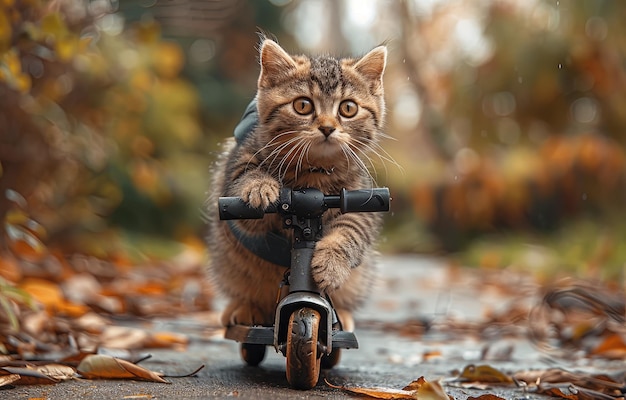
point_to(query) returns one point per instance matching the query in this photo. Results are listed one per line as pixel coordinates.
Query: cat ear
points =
(372, 65)
(275, 63)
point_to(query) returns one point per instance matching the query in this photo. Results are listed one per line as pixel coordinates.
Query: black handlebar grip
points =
(364, 200)
(235, 208)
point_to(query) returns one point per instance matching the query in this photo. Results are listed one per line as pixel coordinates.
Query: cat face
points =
(319, 112)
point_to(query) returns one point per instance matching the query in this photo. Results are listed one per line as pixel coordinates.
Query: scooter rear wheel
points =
(303, 358)
(252, 354)
(332, 359)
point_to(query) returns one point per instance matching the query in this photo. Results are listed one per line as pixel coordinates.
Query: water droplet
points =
(584, 196)
(560, 65)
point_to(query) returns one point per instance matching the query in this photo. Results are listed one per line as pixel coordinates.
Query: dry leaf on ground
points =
(484, 374)
(107, 367)
(8, 379)
(30, 376)
(419, 389)
(583, 381)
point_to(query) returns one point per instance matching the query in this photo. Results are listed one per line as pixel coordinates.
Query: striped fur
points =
(289, 149)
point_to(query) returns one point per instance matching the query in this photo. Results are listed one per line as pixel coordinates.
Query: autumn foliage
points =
(529, 189)
(92, 117)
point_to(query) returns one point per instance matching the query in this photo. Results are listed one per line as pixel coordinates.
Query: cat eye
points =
(303, 106)
(348, 108)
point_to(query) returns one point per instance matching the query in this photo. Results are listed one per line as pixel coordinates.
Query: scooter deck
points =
(265, 335)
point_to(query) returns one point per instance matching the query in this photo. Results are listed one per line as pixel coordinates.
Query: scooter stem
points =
(300, 278)
(306, 232)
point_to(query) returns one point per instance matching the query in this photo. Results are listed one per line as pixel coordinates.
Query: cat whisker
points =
(268, 145)
(380, 152)
(372, 147)
(383, 135)
(288, 158)
(304, 153)
(351, 155)
(275, 153)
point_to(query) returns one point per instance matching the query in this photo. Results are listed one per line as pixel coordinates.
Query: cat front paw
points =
(330, 266)
(261, 192)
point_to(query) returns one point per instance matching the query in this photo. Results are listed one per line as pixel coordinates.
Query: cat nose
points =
(327, 130)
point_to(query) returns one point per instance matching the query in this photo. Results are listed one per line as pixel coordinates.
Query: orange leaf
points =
(612, 346)
(9, 269)
(107, 367)
(486, 397)
(484, 373)
(416, 384)
(166, 339)
(24, 243)
(556, 392)
(45, 292)
(72, 309)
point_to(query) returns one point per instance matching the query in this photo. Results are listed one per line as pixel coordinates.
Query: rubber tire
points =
(303, 360)
(252, 354)
(329, 361)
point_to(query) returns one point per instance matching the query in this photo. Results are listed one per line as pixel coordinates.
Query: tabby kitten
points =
(318, 118)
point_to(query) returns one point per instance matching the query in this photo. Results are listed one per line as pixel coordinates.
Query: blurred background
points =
(508, 121)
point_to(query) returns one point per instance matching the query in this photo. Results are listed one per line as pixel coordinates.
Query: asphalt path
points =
(413, 288)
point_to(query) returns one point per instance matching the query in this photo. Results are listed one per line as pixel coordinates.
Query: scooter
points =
(307, 330)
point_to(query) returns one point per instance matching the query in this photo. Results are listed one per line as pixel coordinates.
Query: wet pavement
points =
(412, 289)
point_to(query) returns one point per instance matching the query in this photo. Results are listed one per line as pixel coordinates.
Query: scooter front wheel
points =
(303, 358)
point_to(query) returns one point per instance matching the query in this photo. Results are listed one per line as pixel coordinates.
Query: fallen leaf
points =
(589, 394)
(166, 339)
(47, 293)
(122, 337)
(602, 383)
(416, 384)
(484, 373)
(57, 371)
(612, 346)
(8, 379)
(9, 268)
(30, 376)
(419, 389)
(106, 367)
(431, 391)
(432, 354)
(379, 393)
(486, 397)
(556, 392)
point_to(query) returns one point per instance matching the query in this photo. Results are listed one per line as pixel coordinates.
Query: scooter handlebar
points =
(364, 200)
(309, 202)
